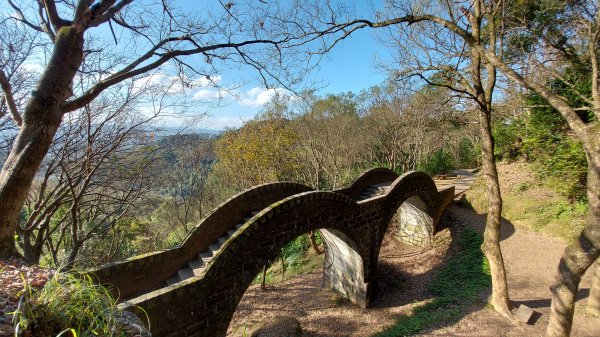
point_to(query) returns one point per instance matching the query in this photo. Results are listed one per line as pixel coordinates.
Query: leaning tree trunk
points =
(41, 118)
(29, 149)
(491, 234)
(576, 259)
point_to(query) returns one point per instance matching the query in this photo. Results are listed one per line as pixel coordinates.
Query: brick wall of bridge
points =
(353, 231)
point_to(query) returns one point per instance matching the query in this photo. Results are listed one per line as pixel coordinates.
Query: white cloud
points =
(257, 97)
(206, 81)
(208, 94)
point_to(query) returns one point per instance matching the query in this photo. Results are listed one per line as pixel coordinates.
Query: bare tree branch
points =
(10, 101)
(130, 71)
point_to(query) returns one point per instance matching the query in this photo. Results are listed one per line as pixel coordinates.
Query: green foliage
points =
(564, 166)
(558, 158)
(469, 154)
(68, 305)
(297, 258)
(456, 286)
(543, 138)
(507, 139)
(440, 162)
(294, 251)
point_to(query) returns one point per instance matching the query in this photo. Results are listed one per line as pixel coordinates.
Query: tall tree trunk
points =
(41, 118)
(594, 298)
(577, 258)
(29, 149)
(491, 234)
(70, 263)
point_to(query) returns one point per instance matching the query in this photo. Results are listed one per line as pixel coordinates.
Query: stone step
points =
(173, 280)
(185, 273)
(238, 226)
(214, 247)
(222, 240)
(198, 271)
(364, 196)
(205, 256)
(231, 232)
(196, 264)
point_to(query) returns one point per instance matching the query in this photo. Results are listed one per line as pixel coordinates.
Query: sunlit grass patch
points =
(456, 286)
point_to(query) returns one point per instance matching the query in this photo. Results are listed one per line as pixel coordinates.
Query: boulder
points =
(278, 326)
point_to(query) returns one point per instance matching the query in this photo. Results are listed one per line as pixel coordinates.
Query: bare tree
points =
(331, 142)
(94, 172)
(17, 78)
(186, 194)
(575, 38)
(442, 58)
(407, 127)
(257, 34)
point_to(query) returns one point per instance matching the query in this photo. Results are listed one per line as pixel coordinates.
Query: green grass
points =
(66, 306)
(531, 204)
(298, 257)
(457, 285)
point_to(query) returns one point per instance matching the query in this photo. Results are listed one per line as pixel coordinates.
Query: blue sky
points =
(348, 67)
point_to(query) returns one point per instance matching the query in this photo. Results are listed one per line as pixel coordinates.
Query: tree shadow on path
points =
(455, 283)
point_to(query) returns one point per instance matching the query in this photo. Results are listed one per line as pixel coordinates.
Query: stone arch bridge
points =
(194, 289)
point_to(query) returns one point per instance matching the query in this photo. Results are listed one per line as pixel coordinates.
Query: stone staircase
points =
(374, 190)
(196, 266)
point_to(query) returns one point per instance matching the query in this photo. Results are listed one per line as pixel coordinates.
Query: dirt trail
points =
(531, 259)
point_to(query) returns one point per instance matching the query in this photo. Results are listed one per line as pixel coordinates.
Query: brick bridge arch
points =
(353, 222)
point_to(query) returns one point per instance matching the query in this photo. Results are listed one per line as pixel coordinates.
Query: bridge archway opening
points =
(412, 224)
(341, 272)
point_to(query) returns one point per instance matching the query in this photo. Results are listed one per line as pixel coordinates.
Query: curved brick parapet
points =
(353, 229)
(146, 272)
(368, 178)
(204, 305)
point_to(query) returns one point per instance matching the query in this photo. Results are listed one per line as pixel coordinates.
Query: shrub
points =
(439, 162)
(508, 139)
(469, 154)
(67, 305)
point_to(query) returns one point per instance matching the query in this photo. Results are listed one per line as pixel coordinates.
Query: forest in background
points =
(82, 163)
(149, 187)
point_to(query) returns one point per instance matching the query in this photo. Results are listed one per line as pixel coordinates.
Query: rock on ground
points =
(278, 326)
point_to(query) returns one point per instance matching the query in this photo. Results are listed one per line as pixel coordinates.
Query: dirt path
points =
(531, 259)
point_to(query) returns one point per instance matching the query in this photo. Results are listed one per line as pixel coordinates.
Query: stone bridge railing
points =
(352, 229)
